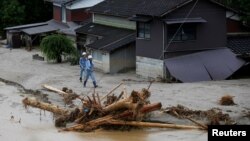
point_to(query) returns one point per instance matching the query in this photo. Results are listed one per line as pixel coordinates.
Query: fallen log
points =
(150, 124)
(129, 103)
(145, 109)
(67, 97)
(60, 92)
(45, 106)
(91, 125)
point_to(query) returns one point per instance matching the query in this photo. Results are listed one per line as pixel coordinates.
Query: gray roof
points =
(25, 26)
(127, 8)
(39, 29)
(204, 66)
(51, 26)
(112, 38)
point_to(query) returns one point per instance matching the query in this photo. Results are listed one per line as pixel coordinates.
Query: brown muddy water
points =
(20, 124)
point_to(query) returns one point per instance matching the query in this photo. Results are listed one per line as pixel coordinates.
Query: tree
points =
(240, 5)
(37, 10)
(54, 46)
(18, 12)
(11, 13)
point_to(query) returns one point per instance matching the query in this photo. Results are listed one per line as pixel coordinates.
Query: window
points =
(186, 32)
(143, 30)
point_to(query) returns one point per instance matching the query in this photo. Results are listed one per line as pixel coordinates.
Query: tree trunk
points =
(45, 106)
(150, 124)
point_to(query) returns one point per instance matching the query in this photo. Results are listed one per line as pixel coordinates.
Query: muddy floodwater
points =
(21, 124)
(22, 72)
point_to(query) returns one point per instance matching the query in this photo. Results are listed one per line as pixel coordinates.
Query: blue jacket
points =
(82, 62)
(89, 65)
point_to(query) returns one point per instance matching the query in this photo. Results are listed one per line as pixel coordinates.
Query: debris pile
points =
(109, 111)
(227, 100)
(213, 116)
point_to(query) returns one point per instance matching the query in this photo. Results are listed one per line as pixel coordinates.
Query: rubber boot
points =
(84, 83)
(95, 84)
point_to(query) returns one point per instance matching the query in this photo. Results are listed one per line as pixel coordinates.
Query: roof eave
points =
(107, 14)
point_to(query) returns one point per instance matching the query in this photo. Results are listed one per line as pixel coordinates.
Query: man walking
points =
(89, 71)
(82, 63)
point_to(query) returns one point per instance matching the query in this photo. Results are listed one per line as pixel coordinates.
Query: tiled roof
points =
(112, 38)
(127, 8)
(239, 44)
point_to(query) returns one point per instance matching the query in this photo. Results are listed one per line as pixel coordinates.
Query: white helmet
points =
(84, 53)
(90, 57)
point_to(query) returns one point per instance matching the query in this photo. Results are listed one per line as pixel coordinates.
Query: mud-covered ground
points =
(18, 123)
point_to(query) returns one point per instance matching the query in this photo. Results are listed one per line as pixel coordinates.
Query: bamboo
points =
(111, 91)
(198, 123)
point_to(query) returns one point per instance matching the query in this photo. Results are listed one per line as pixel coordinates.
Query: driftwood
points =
(60, 92)
(95, 113)
(68, 96)
(134, 102)
(149, 124)
(45, 106)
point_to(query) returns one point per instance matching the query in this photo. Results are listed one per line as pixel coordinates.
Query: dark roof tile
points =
(127, 8)
(112, 37)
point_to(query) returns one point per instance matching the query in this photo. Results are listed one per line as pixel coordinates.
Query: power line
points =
(185, 19)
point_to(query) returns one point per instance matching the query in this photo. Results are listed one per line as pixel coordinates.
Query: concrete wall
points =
(123, 59)
(114, 21)
(149, 68)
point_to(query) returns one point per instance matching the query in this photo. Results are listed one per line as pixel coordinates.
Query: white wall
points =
(114, 21)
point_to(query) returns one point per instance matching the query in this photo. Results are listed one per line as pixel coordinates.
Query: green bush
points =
(54, 46)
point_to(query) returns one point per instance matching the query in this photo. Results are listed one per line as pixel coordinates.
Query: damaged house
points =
(181, 39)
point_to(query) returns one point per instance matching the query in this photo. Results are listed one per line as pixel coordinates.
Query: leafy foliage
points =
(18, 12)
(37, 10)
(240, 5)
(54, 46)
(11, 13)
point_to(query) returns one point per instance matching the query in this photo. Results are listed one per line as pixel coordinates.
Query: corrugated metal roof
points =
(25, 26)
(39, 30)
(83, 4)
(204, 66)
